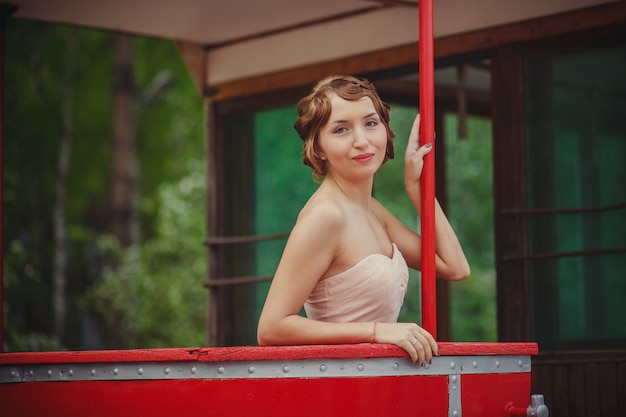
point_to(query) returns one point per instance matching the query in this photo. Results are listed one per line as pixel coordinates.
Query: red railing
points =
(427, 135)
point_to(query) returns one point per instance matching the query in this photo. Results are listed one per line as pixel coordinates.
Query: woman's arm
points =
(451, 263)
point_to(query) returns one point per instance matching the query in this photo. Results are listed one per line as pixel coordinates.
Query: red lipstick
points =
(364, 157)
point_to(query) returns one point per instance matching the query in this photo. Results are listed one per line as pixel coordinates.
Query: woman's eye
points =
(340, 130)
(371, 123)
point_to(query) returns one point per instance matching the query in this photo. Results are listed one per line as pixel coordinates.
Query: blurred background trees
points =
(104, 196)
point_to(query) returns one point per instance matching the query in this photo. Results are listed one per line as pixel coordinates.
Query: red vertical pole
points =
(5, 11)
(427, 134)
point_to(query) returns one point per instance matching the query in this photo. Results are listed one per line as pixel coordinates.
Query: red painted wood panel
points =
(486, 395)
(364, 350)
(328, 397)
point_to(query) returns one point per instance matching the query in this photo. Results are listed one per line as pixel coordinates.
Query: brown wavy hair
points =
(314, 111)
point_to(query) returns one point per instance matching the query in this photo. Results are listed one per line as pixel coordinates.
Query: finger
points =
(415, 134)
(434, 347)
(424, 350)
(421, 350)
(425, 149)
(410, 348)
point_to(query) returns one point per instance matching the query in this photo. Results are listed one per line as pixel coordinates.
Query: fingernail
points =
(429, 144)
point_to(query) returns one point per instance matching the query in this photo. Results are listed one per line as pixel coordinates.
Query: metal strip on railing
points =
(262, 369)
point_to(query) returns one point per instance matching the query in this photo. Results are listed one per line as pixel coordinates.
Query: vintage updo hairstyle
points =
(314, 112)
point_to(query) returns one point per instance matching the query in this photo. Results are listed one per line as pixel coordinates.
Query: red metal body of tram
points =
(468, 379)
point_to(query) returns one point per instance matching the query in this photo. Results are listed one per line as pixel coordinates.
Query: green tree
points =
(170, 142)
(470, 196)
(157, 290)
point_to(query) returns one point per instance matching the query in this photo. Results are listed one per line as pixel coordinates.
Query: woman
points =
(344, 257)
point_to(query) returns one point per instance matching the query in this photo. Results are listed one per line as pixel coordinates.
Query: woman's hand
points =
(420, 344)
(451, 263)
(414, 159)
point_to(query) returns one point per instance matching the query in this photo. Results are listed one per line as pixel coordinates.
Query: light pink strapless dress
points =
(371, 290)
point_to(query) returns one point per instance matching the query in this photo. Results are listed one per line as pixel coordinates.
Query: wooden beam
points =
(194, 56)
(308, 75)
(407, 55)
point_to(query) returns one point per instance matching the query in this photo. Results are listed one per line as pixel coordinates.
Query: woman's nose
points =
(360, 138)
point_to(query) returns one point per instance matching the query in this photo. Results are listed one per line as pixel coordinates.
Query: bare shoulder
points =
(314, 241)
(321, 215)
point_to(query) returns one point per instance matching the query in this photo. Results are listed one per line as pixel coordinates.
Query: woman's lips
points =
(364, 157)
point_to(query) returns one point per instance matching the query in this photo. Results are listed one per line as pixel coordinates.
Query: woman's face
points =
(354, 140)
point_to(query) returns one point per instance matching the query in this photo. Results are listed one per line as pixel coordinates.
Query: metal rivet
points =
(454, 378)
(396, 366)
(49, 372)
(455, 413)
(70, 372)
(497, 364)
(13, 374)
(220, 369)
(360, 367)
(193, 369)
(93, 372)
(285, 369)
(452, 365)
(140, 371)
(323, 368)
(116, 371)
(426, 365)
(31, 373)
(251, 369)
(167, 370)
(520, 363)
(475, 364)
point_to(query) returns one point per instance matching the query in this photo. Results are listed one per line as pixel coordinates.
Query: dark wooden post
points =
(6, 10)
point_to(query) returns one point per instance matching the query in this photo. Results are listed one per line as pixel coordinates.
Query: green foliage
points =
(19, 337)
(170, 142)
(470, 210)
(36, 72)
(157, 291)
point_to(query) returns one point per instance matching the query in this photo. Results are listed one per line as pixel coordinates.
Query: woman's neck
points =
(359, 193)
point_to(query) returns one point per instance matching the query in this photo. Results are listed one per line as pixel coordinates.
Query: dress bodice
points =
(371, 290)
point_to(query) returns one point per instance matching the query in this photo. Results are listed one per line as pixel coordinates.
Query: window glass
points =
(575, 145)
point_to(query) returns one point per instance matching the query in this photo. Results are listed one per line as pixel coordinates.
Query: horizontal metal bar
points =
(581, 210)
(269, 369)
(220, 282)
(217, 241)
(554, 255)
